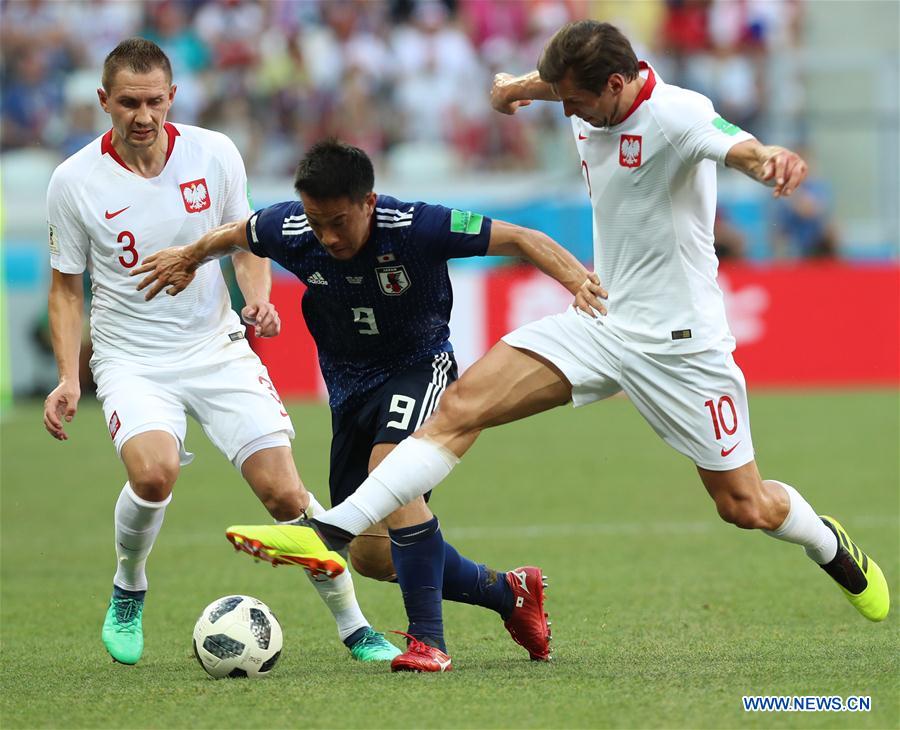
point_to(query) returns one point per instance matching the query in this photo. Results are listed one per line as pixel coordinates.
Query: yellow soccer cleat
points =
(296, 544)
(858, 575)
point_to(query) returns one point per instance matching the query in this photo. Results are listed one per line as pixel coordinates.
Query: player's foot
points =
(420, 657)
(858, 575)
(122, 632)
(373, 647)
(528, 624)
(295, 544)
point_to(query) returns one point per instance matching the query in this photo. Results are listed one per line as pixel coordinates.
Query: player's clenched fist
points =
(171, 267)
(505, 94)
(264, 318)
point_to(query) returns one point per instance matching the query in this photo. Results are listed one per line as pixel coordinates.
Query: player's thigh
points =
(137, 400)
(235, 402)
(541, 365)
(697, 403)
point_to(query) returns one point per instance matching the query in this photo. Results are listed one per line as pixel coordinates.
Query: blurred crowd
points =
(276, 74)
(407, 80)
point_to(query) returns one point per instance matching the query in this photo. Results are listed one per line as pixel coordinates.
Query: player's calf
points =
(370, 556)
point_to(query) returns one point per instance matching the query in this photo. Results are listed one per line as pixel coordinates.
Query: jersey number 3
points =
(129, 256)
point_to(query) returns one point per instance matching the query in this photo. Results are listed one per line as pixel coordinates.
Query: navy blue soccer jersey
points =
(386, 308)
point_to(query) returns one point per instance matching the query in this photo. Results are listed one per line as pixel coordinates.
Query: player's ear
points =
(615, 83)
(104, 98)
(172, 89)
(371, 199)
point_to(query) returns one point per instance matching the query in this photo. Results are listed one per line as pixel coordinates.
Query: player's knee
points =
(370, 556)
(154, 482)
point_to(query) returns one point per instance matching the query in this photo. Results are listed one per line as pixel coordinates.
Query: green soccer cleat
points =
(373, 647)
(858, 575)
(294, 544)
(122, 632)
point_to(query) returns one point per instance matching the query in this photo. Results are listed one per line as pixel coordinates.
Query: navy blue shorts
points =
(391, 413)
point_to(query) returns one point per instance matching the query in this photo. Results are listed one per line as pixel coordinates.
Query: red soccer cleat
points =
(419, 657)
(528, 624)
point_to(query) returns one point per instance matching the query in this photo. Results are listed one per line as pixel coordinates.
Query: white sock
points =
(314, 507)
(137, 524)
(338, 594)
(414, 467)
(804, 527)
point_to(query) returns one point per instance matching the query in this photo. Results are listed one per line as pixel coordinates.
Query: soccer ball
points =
(237, 636)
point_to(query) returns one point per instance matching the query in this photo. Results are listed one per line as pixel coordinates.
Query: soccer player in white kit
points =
(648, 153)
(143, 186)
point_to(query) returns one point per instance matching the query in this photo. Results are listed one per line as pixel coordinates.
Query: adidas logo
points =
(317, 278)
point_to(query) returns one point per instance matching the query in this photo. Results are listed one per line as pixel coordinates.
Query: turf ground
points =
(663, 616)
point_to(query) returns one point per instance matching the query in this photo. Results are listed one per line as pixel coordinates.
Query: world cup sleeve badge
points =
(195, 195)
(630, 150)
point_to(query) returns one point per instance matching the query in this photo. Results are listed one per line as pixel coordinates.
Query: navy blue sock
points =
(469, 582)
(418, 554)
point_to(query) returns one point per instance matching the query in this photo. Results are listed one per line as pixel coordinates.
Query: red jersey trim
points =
(106, 145)
(644, 93)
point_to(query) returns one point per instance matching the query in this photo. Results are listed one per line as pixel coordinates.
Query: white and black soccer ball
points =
(237, 636)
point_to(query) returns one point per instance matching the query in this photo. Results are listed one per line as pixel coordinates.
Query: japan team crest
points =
(195, 195)
(630, 150)
(392, 279)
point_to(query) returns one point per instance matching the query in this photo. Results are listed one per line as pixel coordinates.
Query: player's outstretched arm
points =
(551, 258)
(510, 92)
(66, 307)
(254, 277)
(175, 267)
(777, 167)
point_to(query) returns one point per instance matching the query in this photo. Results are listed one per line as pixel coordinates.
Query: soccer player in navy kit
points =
(378, 303)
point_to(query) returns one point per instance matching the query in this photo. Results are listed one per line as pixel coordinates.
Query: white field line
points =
(629, 528)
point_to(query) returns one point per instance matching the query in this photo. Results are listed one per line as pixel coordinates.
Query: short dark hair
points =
(138, 55)
(333, 169)
(592, 50)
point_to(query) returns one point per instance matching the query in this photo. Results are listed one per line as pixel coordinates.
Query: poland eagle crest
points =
(195, 195)
(630, 150)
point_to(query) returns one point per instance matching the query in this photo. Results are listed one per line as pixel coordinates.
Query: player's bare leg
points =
(273, 476)
(152, 462)
(744, 499)
(506, 385)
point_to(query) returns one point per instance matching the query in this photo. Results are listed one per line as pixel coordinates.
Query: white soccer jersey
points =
(652, 183)
(105, 218)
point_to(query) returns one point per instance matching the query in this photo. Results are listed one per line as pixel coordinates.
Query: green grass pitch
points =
(663, 616)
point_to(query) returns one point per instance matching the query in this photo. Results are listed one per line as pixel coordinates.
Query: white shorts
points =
(696, 402)
(229, 393)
